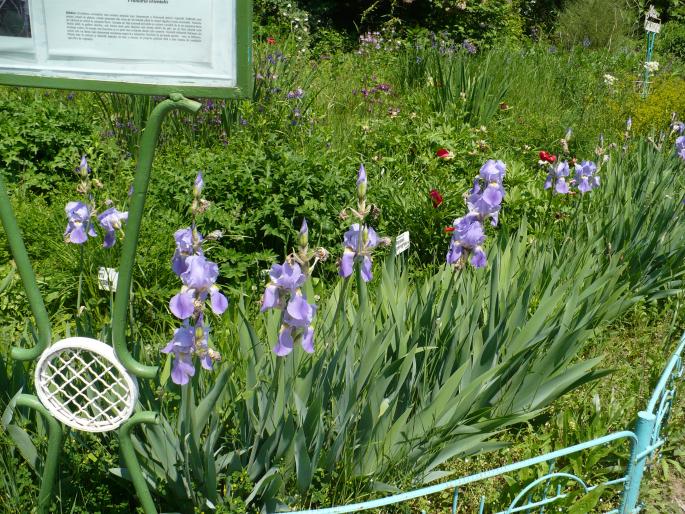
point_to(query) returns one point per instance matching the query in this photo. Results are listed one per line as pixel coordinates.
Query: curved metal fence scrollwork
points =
(645, 440)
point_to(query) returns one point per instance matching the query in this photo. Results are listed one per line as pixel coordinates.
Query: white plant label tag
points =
(652, 26)
(107, 279)
(402, 243)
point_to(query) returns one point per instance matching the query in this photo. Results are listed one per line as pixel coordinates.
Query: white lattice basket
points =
(82, 383)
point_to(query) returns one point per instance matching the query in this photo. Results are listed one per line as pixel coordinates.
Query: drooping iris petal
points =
(77, 235)
(109, 240)
(298, 312)
(308, 340)
(182, 369)
(562, 186)
(478, 260)
(218, 301)
(366, 269)
(493, 194)
(182, 305)
(346, 263)
(454, 252)
(285, 342)
(584, 185)
(271, 298)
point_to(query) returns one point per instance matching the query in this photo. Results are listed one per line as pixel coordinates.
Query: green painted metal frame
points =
(645, 440)
(244, 72)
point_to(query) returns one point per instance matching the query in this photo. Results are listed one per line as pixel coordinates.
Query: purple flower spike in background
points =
(680, 147)
(488, 202)
(484, 201)
(79, 226)
(557, 178)
(112, 221)
(467, 237)
(586, 177)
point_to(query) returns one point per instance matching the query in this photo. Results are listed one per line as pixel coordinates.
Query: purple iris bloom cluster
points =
(112, 220)
(680, 147)
(80, 215)
(586, 176)
(484, 201)
(284, 292)
(467, 237)
(556, 177)
(198, 275)
(360, 240)
(295, 95)
(79, 225)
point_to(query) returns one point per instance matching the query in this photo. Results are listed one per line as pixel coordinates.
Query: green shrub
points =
(595, 23)
(671, 41)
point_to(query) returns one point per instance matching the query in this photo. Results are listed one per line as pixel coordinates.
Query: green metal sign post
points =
(24, 63)
(652, 27)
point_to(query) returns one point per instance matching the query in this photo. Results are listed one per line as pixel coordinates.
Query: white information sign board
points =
(152, 42)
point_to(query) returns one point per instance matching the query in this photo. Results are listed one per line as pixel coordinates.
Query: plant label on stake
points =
(107, 279)
(402, 243)
(652, 21)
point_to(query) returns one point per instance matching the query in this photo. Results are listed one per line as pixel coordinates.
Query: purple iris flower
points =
(79, 226)
(111, 220)
(556, 178)
(358, 242)
(680, 147)
(285, 278)
(488, 202)
(185, 247)
(182, 345)
(297, 94)
(467, 237)
(493, 171)
(198, 279)
(297, 320)
(585, 176)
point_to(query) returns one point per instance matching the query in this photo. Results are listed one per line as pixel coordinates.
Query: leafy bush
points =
(672, 40)
(595, 23)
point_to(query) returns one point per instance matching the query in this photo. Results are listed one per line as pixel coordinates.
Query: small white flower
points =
(652, 66)
(609, 79)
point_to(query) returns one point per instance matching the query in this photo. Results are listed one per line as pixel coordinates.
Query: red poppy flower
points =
(436, 197)
(449, 229)
(271, 40)
(443, 153)
(547, 157)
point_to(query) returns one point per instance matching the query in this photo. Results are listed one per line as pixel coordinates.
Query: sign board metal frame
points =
(243, 88)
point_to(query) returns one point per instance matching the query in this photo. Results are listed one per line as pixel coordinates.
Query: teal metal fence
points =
(553, 487)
